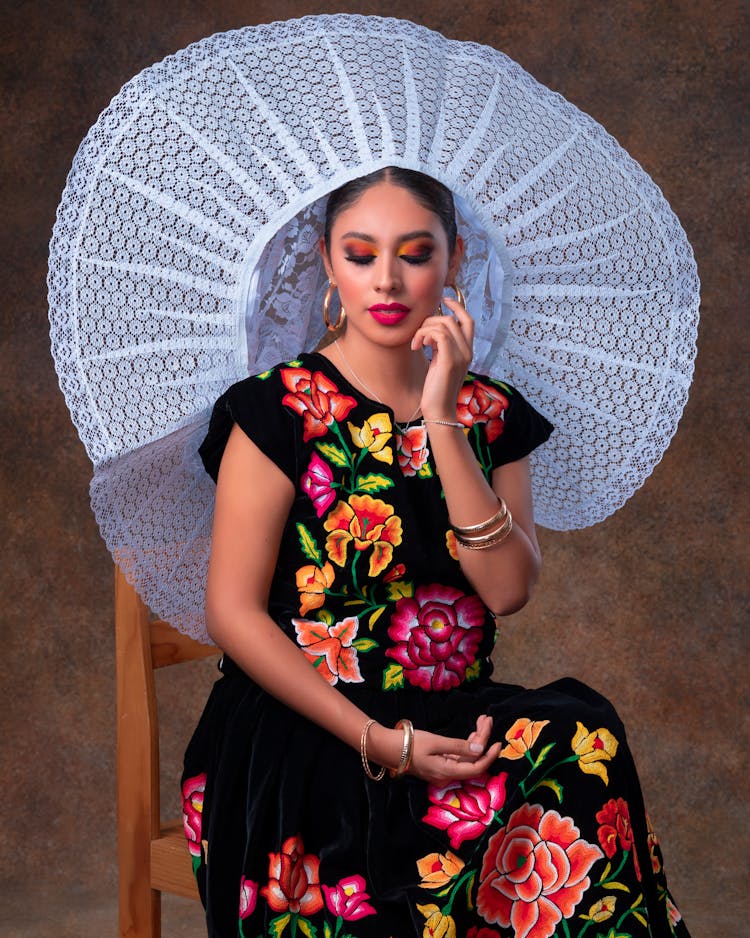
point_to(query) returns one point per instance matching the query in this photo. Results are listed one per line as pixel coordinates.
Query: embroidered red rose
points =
(316, 398)
(293, 879)
(614, 820)
(437, 633)
(464, 809)
(480, 403)
(534, 872)
(192, 811)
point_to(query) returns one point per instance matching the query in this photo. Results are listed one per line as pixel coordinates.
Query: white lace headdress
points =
(184, 258)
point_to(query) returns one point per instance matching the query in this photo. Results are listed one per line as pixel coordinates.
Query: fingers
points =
(439, 758)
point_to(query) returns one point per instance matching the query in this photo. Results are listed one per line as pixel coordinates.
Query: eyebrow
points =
(407, 237)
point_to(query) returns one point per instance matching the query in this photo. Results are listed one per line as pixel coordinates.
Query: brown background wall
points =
(649, 606)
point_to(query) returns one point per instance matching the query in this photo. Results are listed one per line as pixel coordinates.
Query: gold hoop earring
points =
(459, 293)
(332, 326)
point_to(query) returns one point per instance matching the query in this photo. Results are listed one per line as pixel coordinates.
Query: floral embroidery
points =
(464, 809)
(534, 872)
(318, 483)
(438, 632)
(437, 869)
(411, 449)
(373, 436)
(193, 790)
(480, 403)
(614, 820)
(451, 544)
(348, 899)
(329, 648)
(521, 737)
(248, 897)
(316, 398)
(437, 924)
(293, 883)
(593, 749)
(312, 582)
(602, 910)
(367, 523)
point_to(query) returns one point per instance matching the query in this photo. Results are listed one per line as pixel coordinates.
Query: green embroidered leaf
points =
(364, 644)
(277, 925)
(354, 602)
(294, 364)
(555, 786)
(373, 482)
(469, 887)
(425, 471)
(308, 545)
(325, 616)
(336, 455)
(605, 874)
(502, 385)
(473, 671)
(640, 918)
(375, 616)
(615, 885)
(265, 375)
(393, 677)
(327, 933)
(400, 588)
(306, 927)
(543, 755)
(196, 864)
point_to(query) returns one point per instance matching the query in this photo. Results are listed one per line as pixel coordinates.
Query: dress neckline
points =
(335, 373)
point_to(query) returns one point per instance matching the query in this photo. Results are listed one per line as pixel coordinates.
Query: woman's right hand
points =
(438, 759)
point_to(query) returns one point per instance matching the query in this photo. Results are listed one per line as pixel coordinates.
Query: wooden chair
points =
(153, 855)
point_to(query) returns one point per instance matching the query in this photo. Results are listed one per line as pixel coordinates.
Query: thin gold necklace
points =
(370, 392)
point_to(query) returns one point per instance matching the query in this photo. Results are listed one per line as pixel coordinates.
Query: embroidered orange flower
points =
(521, 737)
(412, 451)
(593, 750)
(329, 648)
(365, 522)
(373, 436)
(312, 582)
(480, 403)
(316, 398)
(293, 879)
(437, 869)
(450, 543)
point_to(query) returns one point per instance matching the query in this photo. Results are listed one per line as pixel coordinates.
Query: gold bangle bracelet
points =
(487, 540)
(406, 750)
(363, 754)
(483, 525)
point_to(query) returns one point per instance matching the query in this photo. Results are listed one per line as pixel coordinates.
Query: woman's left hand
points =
(451, 339)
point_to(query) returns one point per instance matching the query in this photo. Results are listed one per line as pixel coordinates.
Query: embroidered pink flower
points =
(348, 899)
(534, 872)
(481, 403)
(192, 811)
(437, 633)
(411, 449)
(293, 879)
(316, 398)
(614, 820)
(248, 897)
(329, 648)
(464, 809)
(317, 483)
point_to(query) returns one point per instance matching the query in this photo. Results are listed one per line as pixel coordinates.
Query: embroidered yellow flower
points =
(437, 924)
(312, 582)
(450, 543)
(437, 869)
(367, 523)
(593, 750)
(602, 910)
(521, 737)
(373, 436)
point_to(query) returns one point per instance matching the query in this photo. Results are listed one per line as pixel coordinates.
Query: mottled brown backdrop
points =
(650, 606)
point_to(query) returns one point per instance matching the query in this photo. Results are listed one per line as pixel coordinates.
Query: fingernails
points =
(476, 747)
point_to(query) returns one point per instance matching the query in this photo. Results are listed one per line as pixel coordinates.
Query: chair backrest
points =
(152, 855)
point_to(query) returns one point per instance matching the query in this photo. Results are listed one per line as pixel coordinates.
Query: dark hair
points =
(427, 191)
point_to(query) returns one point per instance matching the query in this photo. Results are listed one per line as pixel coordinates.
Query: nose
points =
(387, 279)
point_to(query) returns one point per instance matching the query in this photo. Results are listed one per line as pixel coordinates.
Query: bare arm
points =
(249, 521)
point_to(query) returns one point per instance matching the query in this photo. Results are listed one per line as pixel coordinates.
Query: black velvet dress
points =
(288, 836)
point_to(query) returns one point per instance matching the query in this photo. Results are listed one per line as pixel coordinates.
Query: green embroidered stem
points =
(538, 782)
(446, 910)
(608, 879)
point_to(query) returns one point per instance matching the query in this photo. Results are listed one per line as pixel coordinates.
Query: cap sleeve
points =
(255, 405)
(510, 426)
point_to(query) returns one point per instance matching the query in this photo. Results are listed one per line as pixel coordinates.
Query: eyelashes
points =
(413, 259)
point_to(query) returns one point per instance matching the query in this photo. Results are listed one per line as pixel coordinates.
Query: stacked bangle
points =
(363, 753)
(487, 533)
(445, 423)
(406, 750)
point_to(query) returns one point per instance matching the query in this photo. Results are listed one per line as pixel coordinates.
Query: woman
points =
(373, 517)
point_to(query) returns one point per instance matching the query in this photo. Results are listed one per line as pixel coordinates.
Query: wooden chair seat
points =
(153, 855)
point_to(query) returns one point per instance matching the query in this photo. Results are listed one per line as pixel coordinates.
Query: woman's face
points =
(390, 260)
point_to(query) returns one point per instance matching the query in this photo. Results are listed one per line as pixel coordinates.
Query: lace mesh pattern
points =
(184, 257)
